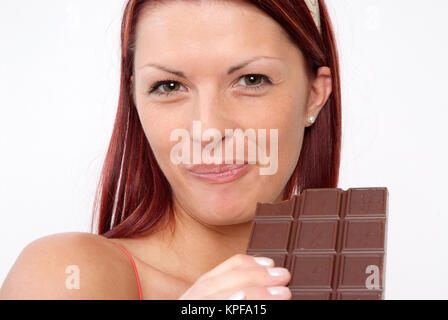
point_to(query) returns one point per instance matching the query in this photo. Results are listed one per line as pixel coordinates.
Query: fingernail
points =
(276, 291)
(240, 295)
(276, 272)
(264, 261)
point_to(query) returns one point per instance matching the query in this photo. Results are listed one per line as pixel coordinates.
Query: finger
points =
(237, 261)
(245, 277)
(254, 293)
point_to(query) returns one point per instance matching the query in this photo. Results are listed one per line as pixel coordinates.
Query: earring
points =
(312, 120)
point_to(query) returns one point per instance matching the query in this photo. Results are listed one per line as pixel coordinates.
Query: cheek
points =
(291, 145)
(290, 137)
(291, 134)
(289, 122)
(158, 133)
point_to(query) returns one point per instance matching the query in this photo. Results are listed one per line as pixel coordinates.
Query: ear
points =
(320, 90)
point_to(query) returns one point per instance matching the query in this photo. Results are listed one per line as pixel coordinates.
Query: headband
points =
(313, 6)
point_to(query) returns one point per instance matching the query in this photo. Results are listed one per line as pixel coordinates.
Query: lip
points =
(218, 173)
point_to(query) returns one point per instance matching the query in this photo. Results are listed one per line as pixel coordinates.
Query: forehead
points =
(206, 29)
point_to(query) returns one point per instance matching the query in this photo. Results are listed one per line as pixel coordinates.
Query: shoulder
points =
(71, 266)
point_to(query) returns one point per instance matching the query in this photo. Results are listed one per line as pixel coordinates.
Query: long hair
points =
(133, 195)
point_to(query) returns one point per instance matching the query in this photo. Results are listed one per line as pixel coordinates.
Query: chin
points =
(227, 213)
(226, 219)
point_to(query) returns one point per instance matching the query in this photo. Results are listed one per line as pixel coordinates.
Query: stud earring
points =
(312, 120)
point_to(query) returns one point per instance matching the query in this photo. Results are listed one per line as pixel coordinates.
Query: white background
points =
(59, 77)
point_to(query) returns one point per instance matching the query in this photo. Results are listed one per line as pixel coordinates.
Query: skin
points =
(212, 221)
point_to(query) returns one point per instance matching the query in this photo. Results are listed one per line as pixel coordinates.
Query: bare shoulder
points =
(71, 265)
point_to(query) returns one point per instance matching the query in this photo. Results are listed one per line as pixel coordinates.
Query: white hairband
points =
(313, 6)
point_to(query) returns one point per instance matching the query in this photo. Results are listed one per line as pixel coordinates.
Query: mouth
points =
(218, 173)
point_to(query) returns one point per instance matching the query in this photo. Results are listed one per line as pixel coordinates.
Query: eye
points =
(170, 86)
(255, 81)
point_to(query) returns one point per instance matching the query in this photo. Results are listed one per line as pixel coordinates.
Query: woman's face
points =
(199, 45)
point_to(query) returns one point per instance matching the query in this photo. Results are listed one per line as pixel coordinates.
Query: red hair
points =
(133, 194)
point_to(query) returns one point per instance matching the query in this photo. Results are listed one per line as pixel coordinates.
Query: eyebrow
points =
(230, 71)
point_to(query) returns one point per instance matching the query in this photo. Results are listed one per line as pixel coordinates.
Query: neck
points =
(192, 247)
(210, 245)
(195, 248)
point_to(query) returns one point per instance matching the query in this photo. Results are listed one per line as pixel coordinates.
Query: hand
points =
(242, 277)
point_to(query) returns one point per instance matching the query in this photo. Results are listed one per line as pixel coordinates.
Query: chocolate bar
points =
(332, 241)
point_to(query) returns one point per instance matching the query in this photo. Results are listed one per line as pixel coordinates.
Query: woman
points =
(170, 229)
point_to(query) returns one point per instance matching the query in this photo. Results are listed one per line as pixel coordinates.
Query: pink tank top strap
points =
(135, 269)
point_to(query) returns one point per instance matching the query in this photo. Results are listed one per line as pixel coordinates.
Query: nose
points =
(211, 110)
